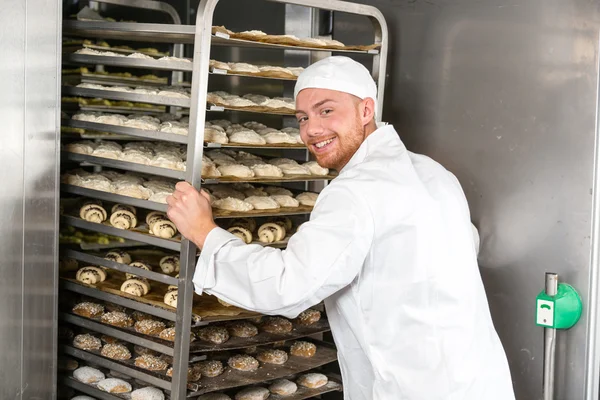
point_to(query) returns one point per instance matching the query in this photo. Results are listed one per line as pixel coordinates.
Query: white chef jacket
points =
(389, 248)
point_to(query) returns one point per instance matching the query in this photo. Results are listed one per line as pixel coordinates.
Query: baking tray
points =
(263, 75)
(133, 97)
(131, 31)
(121, 110)
(114, 49)
(92, 390)
(141, 133)
(204, 308)
(124, 165)
(333, 385)
(112, 80)
(326, 353)
(253, 109)
(128, 62)
(289, 178)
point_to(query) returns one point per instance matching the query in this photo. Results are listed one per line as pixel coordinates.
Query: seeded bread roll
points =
(308, 317)
(140, 316)
(211, 368)
(312, 380)
(303, 349)
(253, 393)
(117, 318)
(87, 342)
(151, 363)
(91, 275)
(194, 374)
(88, 310)
(272, 356)
(276, 325)
(149, 327)
(88, 375)
(109, 339)
(116, 352)
(243, 362)
(169, 334)
(283, 387)
(213, 334)
(242, 329)
(139, 350)
(114, 385)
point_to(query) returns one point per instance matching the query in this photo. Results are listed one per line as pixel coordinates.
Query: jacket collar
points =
(380, 137)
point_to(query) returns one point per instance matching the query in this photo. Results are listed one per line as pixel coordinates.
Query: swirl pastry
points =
(137, 264)
(123, 219)
(91, 275)
(282, 221)
(163, 228)
(93, 212)
(271, 232)
(170, 298)
(118, 256)
(169, 264)
(119, 207)
(154, 216)
(248, 223)
(241, 232)
(136, 287)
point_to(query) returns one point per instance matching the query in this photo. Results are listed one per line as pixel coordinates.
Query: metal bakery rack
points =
(191, 310)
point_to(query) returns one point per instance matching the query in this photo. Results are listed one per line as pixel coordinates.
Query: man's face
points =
(330, 125)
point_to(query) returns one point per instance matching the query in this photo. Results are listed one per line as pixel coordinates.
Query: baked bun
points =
(253, 393)
(88, 309)
(242, 329)
(308, 317)
(283, 387)
(243, 362)
(87, 342)
(148, 393)
(114, 385)
(88, 375)
(116, 352)
(272, 356)
(211, 368)
(276, 325)
(117, 318)
(312, 380)
(213, 334)
(149, 327)
(151, 363)
(303, 349)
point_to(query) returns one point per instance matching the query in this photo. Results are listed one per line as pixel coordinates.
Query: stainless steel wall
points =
(29, 101)
(504, 94)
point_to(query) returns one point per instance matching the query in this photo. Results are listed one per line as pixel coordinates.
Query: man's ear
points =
(367, 110)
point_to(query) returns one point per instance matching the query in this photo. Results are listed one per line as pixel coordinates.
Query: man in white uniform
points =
(388, 247)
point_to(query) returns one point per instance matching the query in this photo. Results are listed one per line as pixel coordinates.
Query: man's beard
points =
(339, 160)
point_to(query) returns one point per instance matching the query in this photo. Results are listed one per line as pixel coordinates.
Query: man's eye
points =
(302, 119)
(326, 111)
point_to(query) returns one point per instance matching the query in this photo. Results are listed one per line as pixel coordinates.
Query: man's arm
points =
(325, 255)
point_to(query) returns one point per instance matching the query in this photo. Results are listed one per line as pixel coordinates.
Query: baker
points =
(389, 248)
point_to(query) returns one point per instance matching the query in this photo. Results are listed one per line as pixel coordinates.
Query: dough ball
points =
(88, 375)
(283, 387)
(253, 393)
(312, 380)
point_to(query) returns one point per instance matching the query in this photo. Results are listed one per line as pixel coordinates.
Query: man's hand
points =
(191, 212)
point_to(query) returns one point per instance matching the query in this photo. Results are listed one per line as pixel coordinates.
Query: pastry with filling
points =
(282, 221)
(271, 232)
(283, 387)
(276, 325)
(315, 169)
(88, 375)
(285, 201)
(114, 385)
(87, 342)
(136, 287)
(123, 219)
(262, 203)
(93, 212)
(272, 356)
(312, 380)
(242, 233)
(232, 204)
(88, 310)
(304, 349)
(67, 264)
(138, 264)
(170, 298)
(117, 318)
(116, 351)
(213, 334)
(253, 393)
(169, 264)
(243, 362)
(307, 198)
(91, 275)
(149, 327)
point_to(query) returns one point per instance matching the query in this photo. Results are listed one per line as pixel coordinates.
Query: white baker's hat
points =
(338, 73)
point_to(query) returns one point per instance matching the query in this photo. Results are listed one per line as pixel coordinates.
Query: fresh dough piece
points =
(224, 191)
(88, 310)
(114, 385)
(312, 380)
(232, 204)
(303, 349)
(123, 219)
(243, 362)
(147, 393)
(83, 147)
(267, 171)
(88, 375)
(116, 351)
(151, 363)
(271, 232)
(308, 317)
(117, 318)
(170, 298)
(132, 190)
(279, 137)
(210, 368)
(247, 137)
(215, 136)
(242, 233)
(276, 190)
(307, 198)
(256, 98)
(213, 334)
(219, 65)
(87, 342)
(82, 398)
(253, 393)
(236, 101)
(160, 197)
(149, 327)
(282, 161)
(276, 325)
(91, 275)
(271, 68)
(262, 203)
(285, 201)
(294, 169)
(272, 356)
(315, 169)
(255, 191)
(242, 329)
(283, 387)
(236, 170)
(118, 256)
(169, 264)
(93, 212)
(138, 264)
(136, 287)
(244, 67)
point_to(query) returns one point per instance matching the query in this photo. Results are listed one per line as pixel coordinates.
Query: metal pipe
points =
(550, 342)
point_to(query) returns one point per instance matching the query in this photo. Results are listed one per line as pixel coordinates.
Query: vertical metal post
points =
(550, 342)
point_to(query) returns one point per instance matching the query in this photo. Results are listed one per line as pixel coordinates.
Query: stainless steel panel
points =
(504, 94)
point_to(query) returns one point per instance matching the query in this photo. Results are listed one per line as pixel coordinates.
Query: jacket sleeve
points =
(325, 255)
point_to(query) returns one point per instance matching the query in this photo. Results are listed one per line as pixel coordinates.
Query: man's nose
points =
(314, 126)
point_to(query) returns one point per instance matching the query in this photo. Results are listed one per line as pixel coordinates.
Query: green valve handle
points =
(561, 311)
